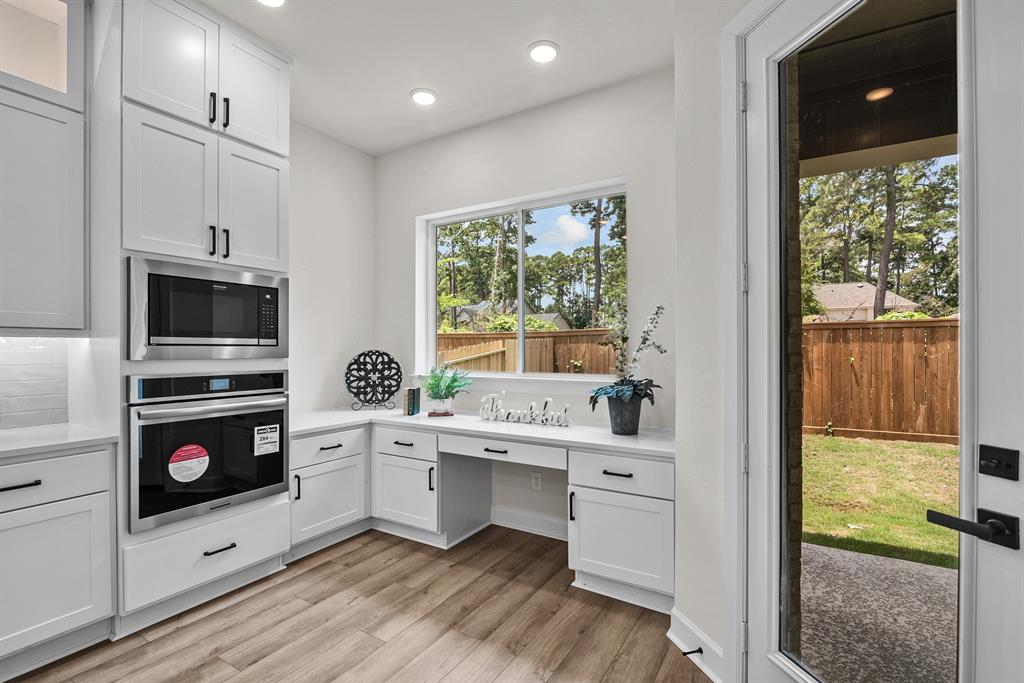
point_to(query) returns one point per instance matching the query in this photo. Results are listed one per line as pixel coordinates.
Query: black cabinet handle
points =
(499, 451)
(430, 479)
(572, 513)
(407, 444)
(213, 107)
(227, 111)
(332, 448)
(624, 475)
(208, 553)
(213, 240)
(298, 487)
(997, 528)
(227, 243)
(26, 485)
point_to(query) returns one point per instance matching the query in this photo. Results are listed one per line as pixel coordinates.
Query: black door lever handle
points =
(996, 528)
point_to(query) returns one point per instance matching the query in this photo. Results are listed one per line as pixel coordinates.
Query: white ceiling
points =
(357, 60)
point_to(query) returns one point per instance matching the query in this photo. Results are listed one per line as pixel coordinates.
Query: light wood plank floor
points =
(497, 607)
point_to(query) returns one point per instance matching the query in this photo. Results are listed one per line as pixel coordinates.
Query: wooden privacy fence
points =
(565, 351)
(882, 379)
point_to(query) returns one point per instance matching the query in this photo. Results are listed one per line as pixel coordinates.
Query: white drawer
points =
(312, 450)
(617, 473)
(404, 442)
(504, 451)
(58, 479)
(158, 569)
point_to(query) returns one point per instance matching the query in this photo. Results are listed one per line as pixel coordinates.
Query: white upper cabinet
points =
(181, 62)
(42, 49)
(253, 208)
(42, 214)
(169, 186)
(170, 59)
(254, 94)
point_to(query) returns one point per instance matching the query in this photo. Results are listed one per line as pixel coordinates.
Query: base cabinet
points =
(623, 537)
(405, 491)
(55, 569)
(327, 496)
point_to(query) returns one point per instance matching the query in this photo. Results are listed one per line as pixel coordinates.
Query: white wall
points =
(620, 131)
(332, 270)
(701, 590)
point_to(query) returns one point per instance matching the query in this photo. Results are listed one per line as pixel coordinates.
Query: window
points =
(532, 288)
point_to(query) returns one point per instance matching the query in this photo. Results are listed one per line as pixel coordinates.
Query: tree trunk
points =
(452, 289)
(871, 258)
(595, 224)
(886, 251)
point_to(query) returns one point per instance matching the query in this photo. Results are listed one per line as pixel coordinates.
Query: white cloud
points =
(567, 232)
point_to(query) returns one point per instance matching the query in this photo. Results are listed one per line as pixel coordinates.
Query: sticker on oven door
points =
(268, 440)
(188, 463)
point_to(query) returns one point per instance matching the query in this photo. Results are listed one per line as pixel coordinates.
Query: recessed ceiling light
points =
(271, 3)
(878, 94)
(423, 96)
(543, 51)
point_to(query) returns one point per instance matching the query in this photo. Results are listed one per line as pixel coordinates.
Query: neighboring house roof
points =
(848, 296)
(555, 318)
(473, 310)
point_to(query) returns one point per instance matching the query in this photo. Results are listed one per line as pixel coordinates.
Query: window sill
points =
(555, 385)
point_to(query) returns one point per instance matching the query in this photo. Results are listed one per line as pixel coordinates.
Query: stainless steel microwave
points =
(179, 311)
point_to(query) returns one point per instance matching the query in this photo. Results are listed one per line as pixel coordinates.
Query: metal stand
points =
(387, 405)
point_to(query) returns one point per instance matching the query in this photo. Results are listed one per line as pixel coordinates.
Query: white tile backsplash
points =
(33, 381)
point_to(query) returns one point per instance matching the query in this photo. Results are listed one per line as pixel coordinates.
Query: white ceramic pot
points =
(440, 406)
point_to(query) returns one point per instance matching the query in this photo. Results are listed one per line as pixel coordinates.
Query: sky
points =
(556, 229)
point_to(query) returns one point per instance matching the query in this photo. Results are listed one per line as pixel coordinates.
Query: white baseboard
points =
(688, 636)
(531, 522)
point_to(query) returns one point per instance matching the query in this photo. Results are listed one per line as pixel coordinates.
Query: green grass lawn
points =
(870, 496)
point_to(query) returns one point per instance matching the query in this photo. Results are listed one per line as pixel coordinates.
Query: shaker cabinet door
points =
(42, 214)
(170, 60)
(327, 496)
(254, 94)
(405, 491)
(55, 569)
(169, 186)
(622, 537)
(253, 207)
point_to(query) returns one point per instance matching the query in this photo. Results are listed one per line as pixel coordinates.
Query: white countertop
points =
(34, 440)
(657, 443)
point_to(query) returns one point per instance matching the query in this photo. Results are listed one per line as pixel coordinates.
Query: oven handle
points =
(206, 409)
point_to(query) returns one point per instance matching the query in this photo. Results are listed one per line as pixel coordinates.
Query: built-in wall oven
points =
(204, 442)
(180, 311)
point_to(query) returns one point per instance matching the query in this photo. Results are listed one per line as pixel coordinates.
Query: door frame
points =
(735, 255)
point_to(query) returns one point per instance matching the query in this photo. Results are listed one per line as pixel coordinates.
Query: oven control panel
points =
(147, 389)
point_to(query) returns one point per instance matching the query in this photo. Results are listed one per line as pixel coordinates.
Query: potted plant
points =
(441, 386)
(626, 395)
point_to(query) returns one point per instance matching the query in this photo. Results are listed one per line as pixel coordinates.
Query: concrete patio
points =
(870, 618)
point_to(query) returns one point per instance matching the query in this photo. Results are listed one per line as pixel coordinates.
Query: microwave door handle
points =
(210, 410)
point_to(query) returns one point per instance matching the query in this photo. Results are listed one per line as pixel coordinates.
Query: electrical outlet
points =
(535, 481)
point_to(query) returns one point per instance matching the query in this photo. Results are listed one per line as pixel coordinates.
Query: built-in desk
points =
(429, 479)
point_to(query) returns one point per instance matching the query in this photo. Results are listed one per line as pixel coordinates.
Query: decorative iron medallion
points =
(373, 378)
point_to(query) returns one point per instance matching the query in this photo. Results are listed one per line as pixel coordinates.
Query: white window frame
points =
(426, 279)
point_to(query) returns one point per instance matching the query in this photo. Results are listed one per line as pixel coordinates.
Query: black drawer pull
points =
(499, 451)
(298, 487)
(572, 514)
(624, 475)
(26, 485)
(208, 553)
(407, 444)
(332, 448)
(430, 479)
(213, 107)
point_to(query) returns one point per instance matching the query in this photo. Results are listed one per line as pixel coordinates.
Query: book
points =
(411, 401)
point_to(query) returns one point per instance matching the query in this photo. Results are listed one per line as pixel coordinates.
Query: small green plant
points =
(509, 322)
(443, 383)
(829, 429)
